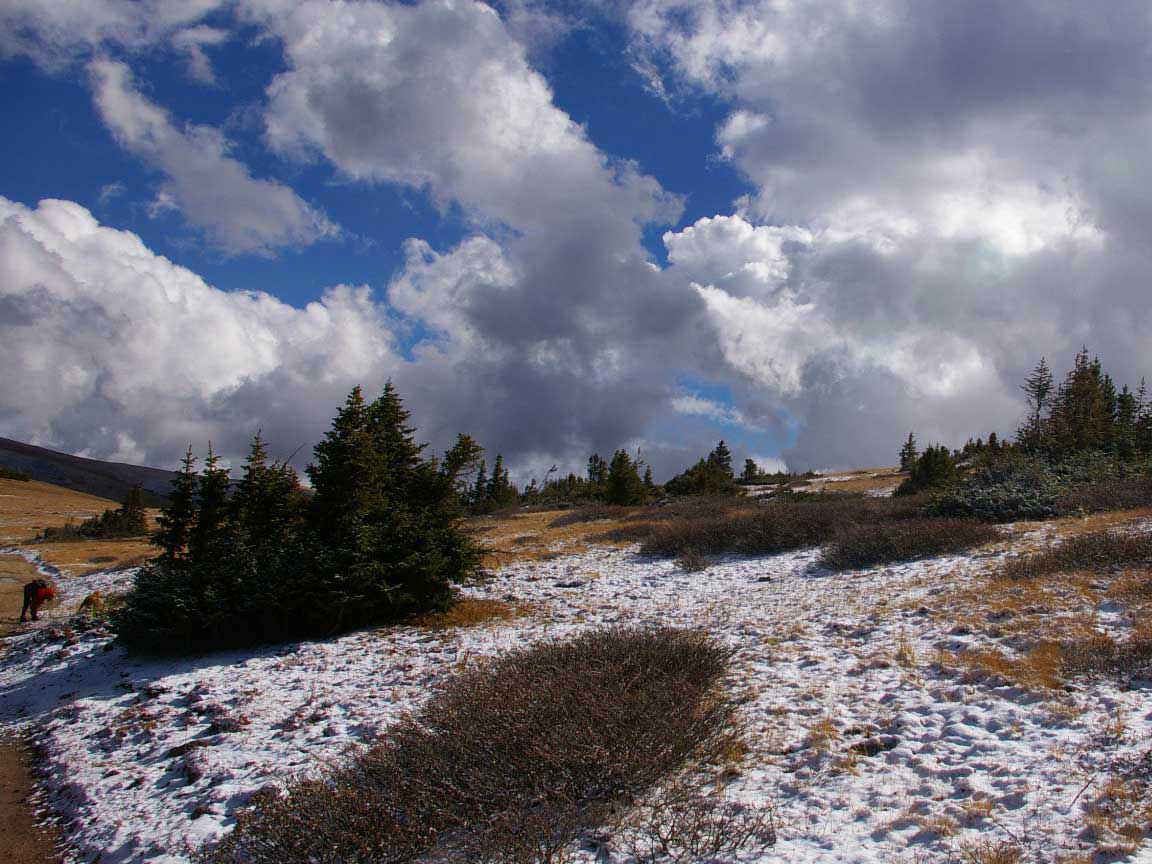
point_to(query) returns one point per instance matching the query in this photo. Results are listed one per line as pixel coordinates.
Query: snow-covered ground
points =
(868, 749)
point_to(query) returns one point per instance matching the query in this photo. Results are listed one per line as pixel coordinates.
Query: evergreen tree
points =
(648, 484)
(751, 472)
(345, 473)
(178, 518)
(480, 487)
(721, 457)
(934, 469)
(1038, 387)
(132, 518)
(597, 470)
(908, 453)
(623, 485)
(211, 508)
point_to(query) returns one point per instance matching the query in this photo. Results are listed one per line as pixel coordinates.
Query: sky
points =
(807, 227)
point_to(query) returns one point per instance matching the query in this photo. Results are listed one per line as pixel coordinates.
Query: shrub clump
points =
(129, 520)
(774, 527)
(7, 473)
(1017, 487)
(1091, 551)
(512, 760)
(868, 545)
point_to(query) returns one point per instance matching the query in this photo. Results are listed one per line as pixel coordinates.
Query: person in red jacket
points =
(36, 594)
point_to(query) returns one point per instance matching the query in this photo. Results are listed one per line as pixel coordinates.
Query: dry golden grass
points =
(1119, 820)
(27, 508)
(472, 612)
(80, 558)
(529, 536)
(987, 851)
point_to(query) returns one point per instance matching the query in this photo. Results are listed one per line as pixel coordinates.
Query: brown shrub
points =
(510, 761)
(1126, 493)
(1089, 551)
(866, 545)
(774, 527)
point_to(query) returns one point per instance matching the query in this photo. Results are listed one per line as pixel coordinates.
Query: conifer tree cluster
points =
(712, 475)
(130, 519)
(377, 540)
(495, 492)
(1085, 412)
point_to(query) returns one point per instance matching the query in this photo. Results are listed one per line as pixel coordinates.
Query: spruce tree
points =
(1038, 387)
(597, 471)
(649, 485)
(178, 518)
(480, 487)
(344, 471)
(721, 457)
(623, 485)
(211, 509)
(751, 471)
(132, 519)
(908, 453)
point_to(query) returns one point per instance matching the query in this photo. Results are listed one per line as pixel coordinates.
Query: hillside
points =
(92, 476)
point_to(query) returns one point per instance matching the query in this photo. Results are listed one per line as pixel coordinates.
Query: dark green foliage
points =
(934, 469)
(623, 486)
(1091, 551)
(1084, 413)
(710, 476)
(509, 762)
(885, 543)
(178, 518)
(1021, 487)
(7, 473)
(909, 454)
(378, 540)
(751, 473)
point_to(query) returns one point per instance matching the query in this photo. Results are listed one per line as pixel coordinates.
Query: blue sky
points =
(807, 228)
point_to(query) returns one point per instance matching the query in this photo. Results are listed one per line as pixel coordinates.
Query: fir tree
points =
(211, 508)
(178, 518)
(649, 485)
(908, 453)
(480, 487)
(597, 470)
(623, 485)
(721, 457)
(751, 472)
(1038, 387)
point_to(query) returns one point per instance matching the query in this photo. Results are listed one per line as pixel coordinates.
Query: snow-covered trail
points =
(868, 750)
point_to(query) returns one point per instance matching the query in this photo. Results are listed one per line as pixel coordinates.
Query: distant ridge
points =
(105, 479)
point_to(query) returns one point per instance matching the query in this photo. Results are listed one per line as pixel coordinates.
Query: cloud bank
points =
(941, 193)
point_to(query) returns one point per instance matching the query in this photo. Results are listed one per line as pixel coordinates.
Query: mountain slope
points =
(104, 479)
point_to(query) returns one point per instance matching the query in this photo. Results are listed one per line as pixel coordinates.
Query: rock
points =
(575, 583)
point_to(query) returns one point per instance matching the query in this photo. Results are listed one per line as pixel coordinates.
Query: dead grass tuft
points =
(471, 612)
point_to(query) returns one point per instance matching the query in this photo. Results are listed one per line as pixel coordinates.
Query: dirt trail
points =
(21, 840)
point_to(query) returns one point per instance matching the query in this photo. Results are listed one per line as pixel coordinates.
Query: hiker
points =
(36, 594)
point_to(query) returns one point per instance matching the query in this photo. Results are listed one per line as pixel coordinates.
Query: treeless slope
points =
(93, 476)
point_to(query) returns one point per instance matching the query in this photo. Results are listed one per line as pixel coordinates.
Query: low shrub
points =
(867, 545)
(1013, 488)
(775, 526)
(692, 562)
(13, 474)
(511, 761)
(1089, 551)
